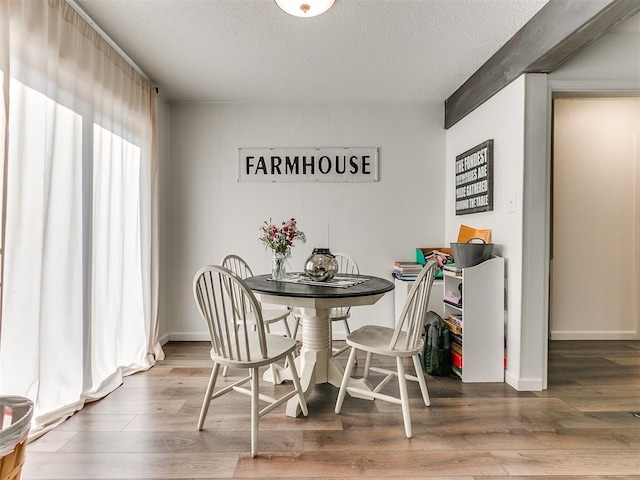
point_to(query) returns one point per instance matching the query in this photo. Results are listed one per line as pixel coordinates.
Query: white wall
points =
(164, 138)
(608, 68)
(210, 215)
(595, 220)
(502, 118)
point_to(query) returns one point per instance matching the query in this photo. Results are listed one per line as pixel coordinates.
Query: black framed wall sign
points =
(474, 179)
(339, 164)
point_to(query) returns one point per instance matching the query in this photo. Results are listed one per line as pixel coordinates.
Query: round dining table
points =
(315, 363)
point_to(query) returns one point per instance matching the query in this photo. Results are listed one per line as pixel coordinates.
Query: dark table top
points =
(373, 286)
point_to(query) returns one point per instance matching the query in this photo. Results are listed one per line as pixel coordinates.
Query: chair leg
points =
(297, 385)
(286, 327)
(346, 326)
(348, 332)
(404, 397)
(274, 374)
(254, 411)
(345, 380)
(421, 380)
(367, 365)
(208, 394)
(296, 325)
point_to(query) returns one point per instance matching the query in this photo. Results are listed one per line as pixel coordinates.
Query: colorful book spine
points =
(456, 359)
(453, 328)
(456, 320)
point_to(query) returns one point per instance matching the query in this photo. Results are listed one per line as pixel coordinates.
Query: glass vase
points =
(279, 269)
(321, 265)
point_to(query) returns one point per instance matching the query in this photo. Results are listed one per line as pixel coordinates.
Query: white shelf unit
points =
(482, 312)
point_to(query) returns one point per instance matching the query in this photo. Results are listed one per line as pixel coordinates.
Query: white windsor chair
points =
(405, 340)
(240, 340)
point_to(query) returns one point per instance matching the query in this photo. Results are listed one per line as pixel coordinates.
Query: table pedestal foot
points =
(335, 372)
(277, 374)
(307, 374)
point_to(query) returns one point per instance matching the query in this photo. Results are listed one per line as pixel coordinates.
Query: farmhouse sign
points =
(474, 179)
(308, 164)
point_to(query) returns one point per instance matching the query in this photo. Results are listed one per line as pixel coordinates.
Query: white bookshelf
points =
(482, 313)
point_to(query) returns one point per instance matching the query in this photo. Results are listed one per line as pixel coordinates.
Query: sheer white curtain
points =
(79, 286)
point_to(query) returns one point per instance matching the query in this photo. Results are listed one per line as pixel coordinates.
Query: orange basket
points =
(15, 418)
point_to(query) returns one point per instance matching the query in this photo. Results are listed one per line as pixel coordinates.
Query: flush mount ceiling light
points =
(305, 8)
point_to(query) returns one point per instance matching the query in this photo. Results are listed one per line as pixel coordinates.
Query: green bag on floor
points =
(436, 356)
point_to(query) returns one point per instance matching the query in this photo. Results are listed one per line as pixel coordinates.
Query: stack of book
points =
(454, 322)
(456, 354)
(406, 270)
(441, 256)
(451, 267)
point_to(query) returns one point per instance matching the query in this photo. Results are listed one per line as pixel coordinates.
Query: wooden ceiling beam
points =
(558, 31)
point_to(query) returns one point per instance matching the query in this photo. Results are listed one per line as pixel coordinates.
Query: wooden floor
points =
(582, 427)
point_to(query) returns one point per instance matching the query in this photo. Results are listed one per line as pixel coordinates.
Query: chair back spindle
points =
(270, 316)
(346, 266)
(224, 300)
(415, 309)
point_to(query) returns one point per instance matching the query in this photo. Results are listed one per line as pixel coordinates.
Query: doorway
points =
(595, 219)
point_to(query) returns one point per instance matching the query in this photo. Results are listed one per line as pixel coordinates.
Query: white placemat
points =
(336, 282)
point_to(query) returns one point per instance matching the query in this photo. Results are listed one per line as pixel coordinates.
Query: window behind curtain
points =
(78, 297)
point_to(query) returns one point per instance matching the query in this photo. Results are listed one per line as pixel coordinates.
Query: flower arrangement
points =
(280, 239)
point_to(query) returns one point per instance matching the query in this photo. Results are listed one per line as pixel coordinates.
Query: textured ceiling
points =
(360, 50)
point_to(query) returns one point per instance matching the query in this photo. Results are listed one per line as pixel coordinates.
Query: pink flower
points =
(280, 240)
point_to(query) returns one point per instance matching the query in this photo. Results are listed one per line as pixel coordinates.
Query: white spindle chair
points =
(403, 341)
(240, 340)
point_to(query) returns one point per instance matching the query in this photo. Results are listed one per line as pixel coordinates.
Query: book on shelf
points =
(455, 347)
(456, 359)
(404, 276)
(451, 268)
(453, 300)
(401, 264)
(407, 267)
(455, 319)
(407, 271)
(453, 328)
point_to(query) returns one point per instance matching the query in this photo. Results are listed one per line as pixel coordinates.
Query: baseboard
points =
(189, 337)
(523, 384)
(164, 338)
(594, 335)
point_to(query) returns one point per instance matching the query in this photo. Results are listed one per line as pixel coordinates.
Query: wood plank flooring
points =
(582, 427)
